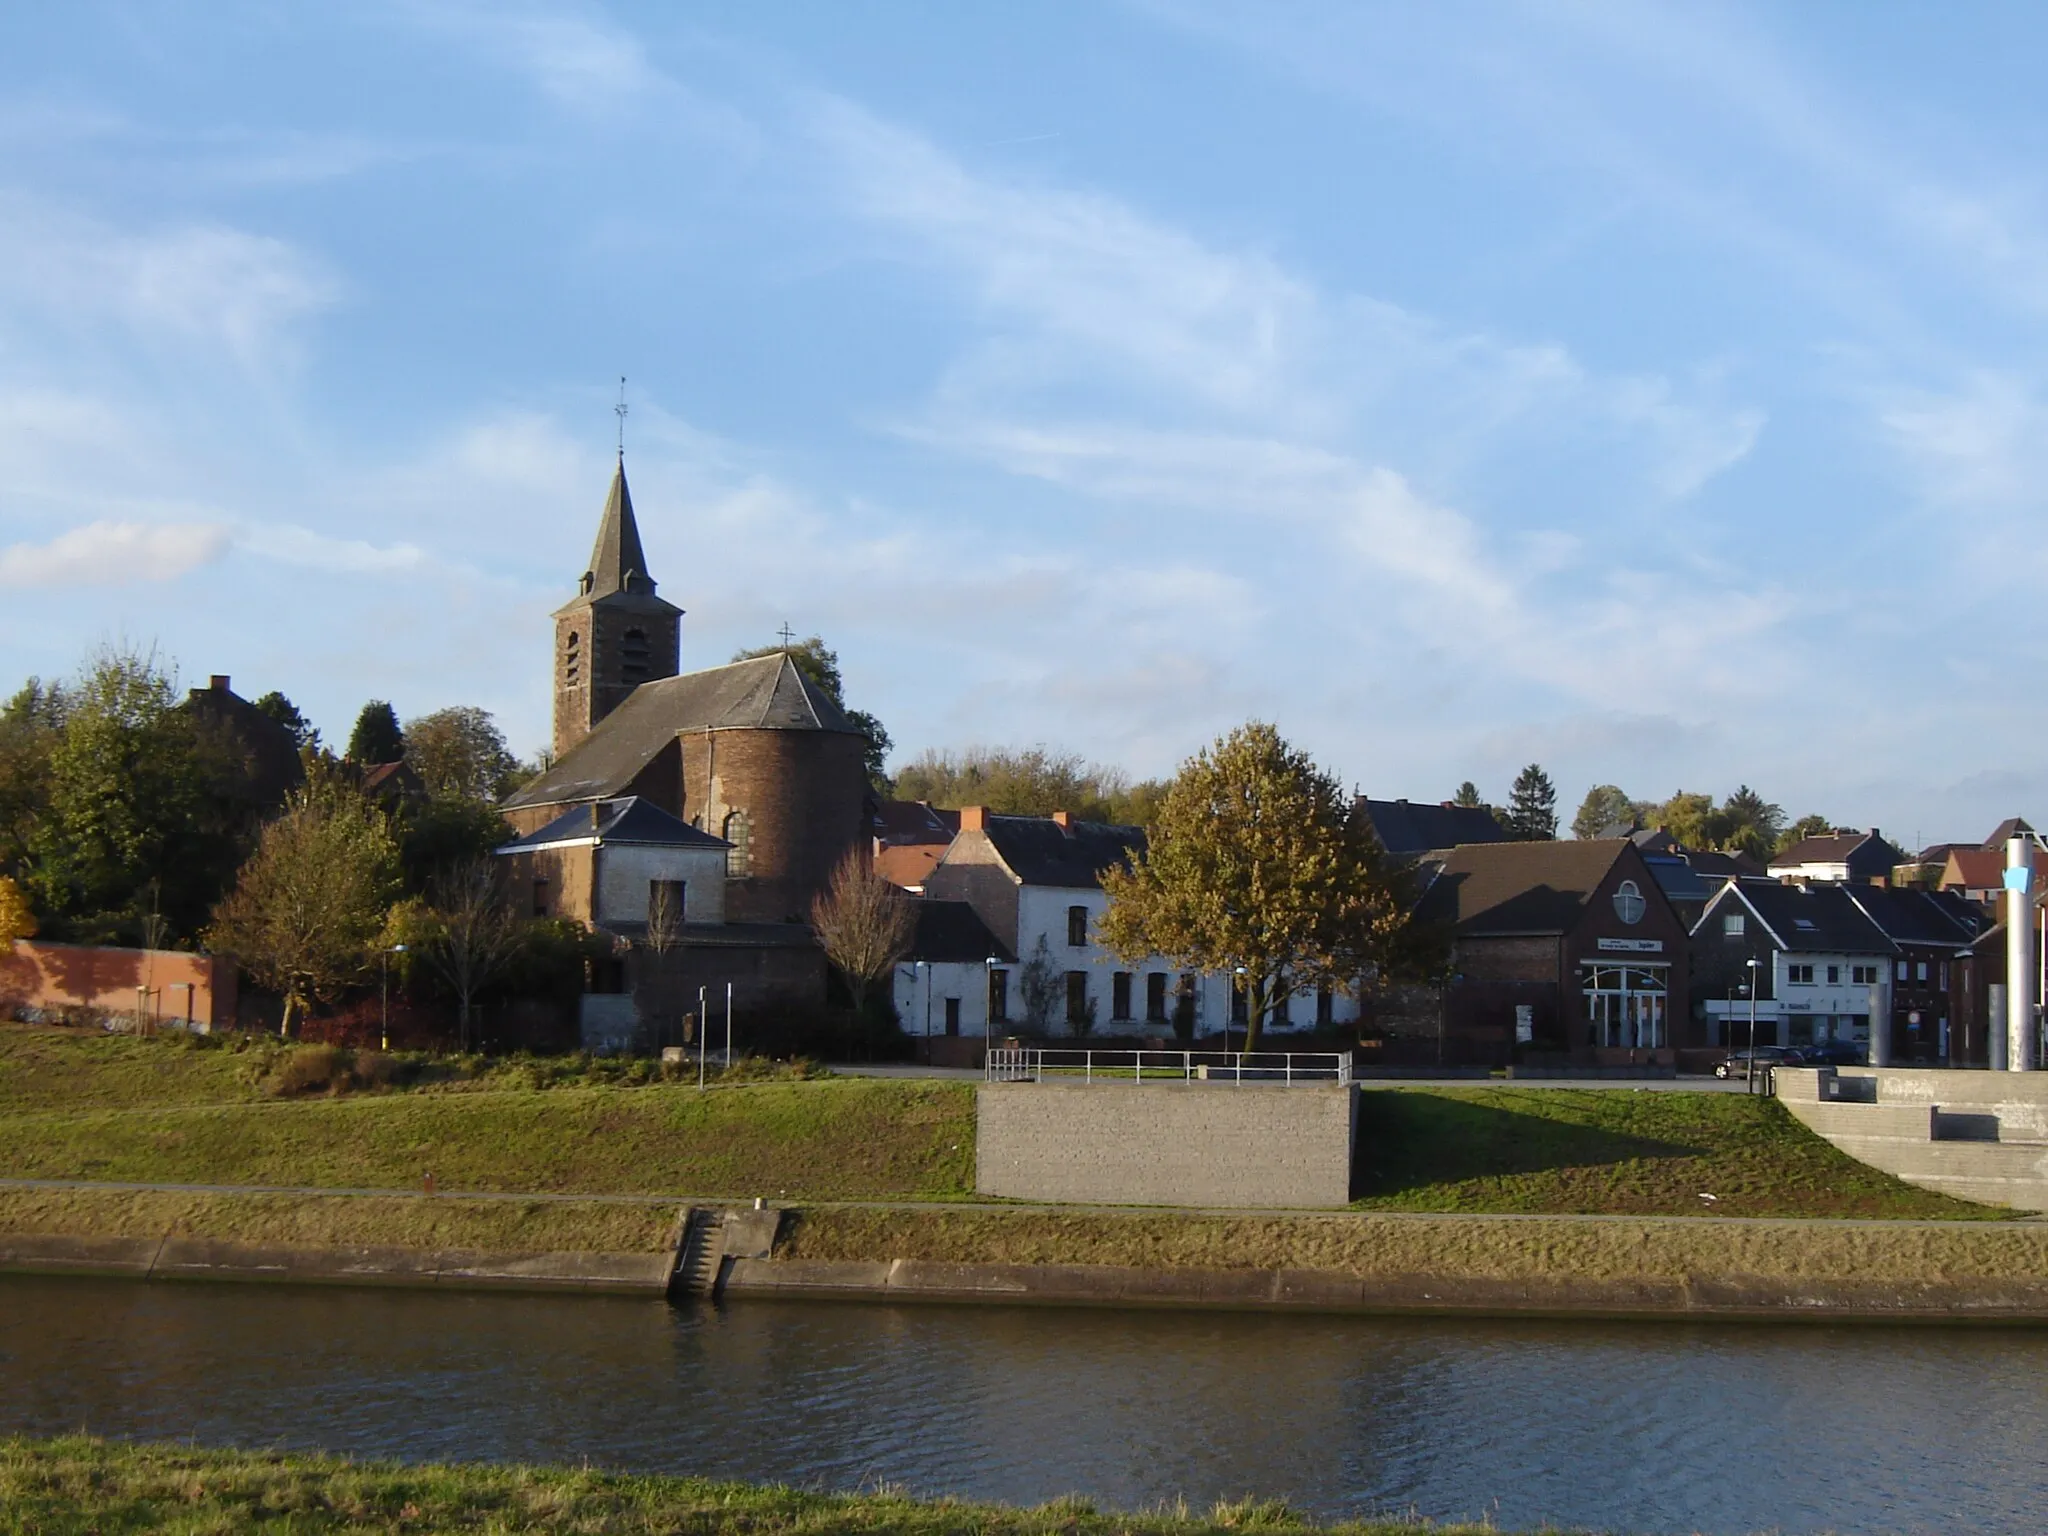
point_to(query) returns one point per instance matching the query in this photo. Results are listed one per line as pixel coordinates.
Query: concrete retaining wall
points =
(1239, 1145)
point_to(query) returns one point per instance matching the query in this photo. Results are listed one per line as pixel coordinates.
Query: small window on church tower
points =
(636, 657)
(739, 862)
(572, 659)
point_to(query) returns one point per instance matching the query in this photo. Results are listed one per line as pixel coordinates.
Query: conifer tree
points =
(1532, 806)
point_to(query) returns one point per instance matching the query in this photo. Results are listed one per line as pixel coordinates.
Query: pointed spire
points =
(617, 563)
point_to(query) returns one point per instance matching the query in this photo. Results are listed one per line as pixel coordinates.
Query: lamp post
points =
(1749, 1067)
(1230, 1006)
(384, 996)
(988, 999)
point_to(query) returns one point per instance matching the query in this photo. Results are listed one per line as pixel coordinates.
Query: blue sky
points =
(1653, 391)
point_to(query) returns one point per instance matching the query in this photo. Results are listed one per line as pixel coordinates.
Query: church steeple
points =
(615, 633)
(617, 563)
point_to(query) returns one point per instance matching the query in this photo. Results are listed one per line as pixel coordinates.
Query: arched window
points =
(739, 862)
(635, 657)
(572, 659)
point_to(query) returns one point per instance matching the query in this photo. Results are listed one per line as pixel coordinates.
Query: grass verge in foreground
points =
(437, 1222)
(1448, 1248)
(79, 1485)
(852, 1138)
(1617, 1151)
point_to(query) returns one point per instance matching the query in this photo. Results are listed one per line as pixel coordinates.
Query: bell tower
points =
(614, 634)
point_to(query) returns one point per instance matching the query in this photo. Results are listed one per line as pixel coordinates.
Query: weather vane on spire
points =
(620, 411)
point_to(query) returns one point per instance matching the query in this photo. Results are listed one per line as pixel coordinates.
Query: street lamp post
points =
(1749, 1067)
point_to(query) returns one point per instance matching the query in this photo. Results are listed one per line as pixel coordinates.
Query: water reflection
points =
(1648, 1428)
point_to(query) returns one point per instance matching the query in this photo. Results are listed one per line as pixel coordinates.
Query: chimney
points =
(218, 682)
(973, 818)
(1063, 819)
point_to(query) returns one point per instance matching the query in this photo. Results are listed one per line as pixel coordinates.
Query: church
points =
(693, 815)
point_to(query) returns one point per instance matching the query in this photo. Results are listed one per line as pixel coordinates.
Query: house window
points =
(1239, 1003)
(1077, 997)
(1184, 1002)
(1799, 975)
(572, 660)
(1733, 925)
(1155, 997)
(1923, 970)
(952, 1015)
(1628, 902)
(1905, 971)
(1326, 1008)
(1077, 927)
(739, 859)
(1282, 1011)
(999, 996)
(664, 908)
(1834, 975)
(636, 657)
(540, 897)
(1863, 975)
(1944, 975)
(1120, 995)
(1625, 1006)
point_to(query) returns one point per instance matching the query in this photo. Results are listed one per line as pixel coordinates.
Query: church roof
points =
(629, 819)
(765, 693)
(618, 565)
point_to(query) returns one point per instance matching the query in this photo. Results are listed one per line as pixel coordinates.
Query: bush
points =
(309, 1069)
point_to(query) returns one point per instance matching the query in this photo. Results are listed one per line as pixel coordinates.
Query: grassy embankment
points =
(75, 1486)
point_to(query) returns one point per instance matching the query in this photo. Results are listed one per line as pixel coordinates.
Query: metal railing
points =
(1036, 1064)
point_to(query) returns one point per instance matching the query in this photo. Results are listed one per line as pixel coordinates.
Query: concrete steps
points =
(703, 1254)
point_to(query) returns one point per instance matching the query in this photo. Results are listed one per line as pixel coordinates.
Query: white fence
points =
(1032, 1064)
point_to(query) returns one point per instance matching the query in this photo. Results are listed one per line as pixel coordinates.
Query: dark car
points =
(1765, 1058)
(1831, 1053)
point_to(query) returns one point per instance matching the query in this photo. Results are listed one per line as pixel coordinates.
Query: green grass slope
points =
(1616, 1151)
(836, 1139)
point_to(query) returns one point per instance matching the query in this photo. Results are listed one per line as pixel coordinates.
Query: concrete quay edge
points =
(1732, 1297)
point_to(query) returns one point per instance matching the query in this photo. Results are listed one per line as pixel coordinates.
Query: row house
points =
(1036, 884)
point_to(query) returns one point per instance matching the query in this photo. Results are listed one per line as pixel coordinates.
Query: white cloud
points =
(288, 545)
(113, 554)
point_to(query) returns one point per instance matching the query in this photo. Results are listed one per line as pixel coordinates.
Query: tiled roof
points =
(2006, 830)
(1408, 827)
(629, 819)
(1506, 888)
(907, 864)
(952, 930)
(767, 693)
(1040, 851)
(1975, 869)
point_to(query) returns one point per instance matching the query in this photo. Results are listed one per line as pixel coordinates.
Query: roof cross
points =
(787, 634)
(619, 410)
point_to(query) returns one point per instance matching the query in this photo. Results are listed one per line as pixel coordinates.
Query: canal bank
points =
(1362, 1262)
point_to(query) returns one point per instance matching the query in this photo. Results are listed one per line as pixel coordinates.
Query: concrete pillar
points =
(1994, 1027)
(1881, 1024)
(2019, 954)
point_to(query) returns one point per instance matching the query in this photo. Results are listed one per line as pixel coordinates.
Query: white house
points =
(1035, 882)
(954, 973)
(1824, 968)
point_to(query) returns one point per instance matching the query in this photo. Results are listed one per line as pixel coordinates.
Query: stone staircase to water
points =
(1979, 1136)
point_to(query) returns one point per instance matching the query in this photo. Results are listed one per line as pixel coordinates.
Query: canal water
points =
(1633, 1427)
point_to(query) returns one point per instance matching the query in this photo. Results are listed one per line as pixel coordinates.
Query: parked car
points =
(1764, 1057)
(1831, 1053)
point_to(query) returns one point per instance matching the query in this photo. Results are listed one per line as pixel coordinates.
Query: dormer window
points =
(635, 657)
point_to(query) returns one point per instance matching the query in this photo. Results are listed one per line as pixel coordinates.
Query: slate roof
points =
(1818, 918)
(628, 819)
(1409, 827)
(1719, 866)
(766, 693)
(1865, 854)
(1518, 888)
(913, 821)
(953, 930)
(1039, 851)
(1919, 917)
(1680, 879)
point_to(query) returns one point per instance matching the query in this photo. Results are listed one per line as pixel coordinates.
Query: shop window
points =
(1077, 927)
(1155, 997)
(1120, 996)
(739, 859)
(1625, 1006)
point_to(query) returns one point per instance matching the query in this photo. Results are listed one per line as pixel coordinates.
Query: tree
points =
(1605, 805)
(863, 923)
(1750, 824)
(1031, 781)
(1468, 797)
(286, 714)
(1039, 989)
(376, 737)
(460, 754)
(30, 725)
(16, 920)
(434, 835)
(1257, 866)
(309, 904)
(1532, 806)
(1802, 829)
(135, 795)
(472, 933)
(820, 663)
(1690, 818)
